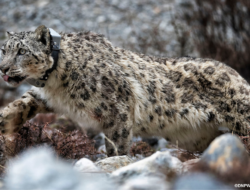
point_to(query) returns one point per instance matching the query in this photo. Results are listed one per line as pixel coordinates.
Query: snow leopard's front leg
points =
(119, 131)
(18, 112)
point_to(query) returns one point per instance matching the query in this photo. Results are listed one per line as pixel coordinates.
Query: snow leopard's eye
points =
(3, 51)
(22, 51)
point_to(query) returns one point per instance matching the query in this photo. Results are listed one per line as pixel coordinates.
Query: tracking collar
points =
(56, 38)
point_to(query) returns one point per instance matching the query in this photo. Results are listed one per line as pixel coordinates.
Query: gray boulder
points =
(38, 168)
(113, 163)
(160, 164)
(88, 168)
(199, 181)
(85, 165)
(225, 153)
(189, 164)
(145, 183)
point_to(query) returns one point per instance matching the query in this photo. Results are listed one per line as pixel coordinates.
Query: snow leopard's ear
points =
(10, 34)
(42, 34)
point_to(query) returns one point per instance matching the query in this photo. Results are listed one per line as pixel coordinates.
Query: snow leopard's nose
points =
(4, 70)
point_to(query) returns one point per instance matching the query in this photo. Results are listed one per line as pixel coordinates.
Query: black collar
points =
(54, 54)
(41, 82)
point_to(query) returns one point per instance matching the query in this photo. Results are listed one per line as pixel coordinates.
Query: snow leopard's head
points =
(26, 55)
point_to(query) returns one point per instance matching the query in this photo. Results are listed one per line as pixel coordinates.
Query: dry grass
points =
(141, 148)
(68, 144)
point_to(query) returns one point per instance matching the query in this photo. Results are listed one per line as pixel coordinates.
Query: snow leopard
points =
(123, 93)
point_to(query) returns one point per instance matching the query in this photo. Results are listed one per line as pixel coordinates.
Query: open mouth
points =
(15, 79)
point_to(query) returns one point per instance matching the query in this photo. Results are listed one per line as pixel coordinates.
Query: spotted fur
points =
(123, 93)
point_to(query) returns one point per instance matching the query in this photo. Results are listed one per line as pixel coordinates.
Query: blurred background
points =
(218, 29)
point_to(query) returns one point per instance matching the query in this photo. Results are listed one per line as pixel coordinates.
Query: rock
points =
(113, 163)
(1, 184)
(145, 183)
(198, 181)
(38, 168)
(189, 164)
(85, 165)
(223, 129)
(181, 154)
(89, 169)
(162, 143)
(155, 165)
(99, 140)
(225, 153)
(138, 157)
(99, 157)
(136, 139)
(95, 157)
(102, 149)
